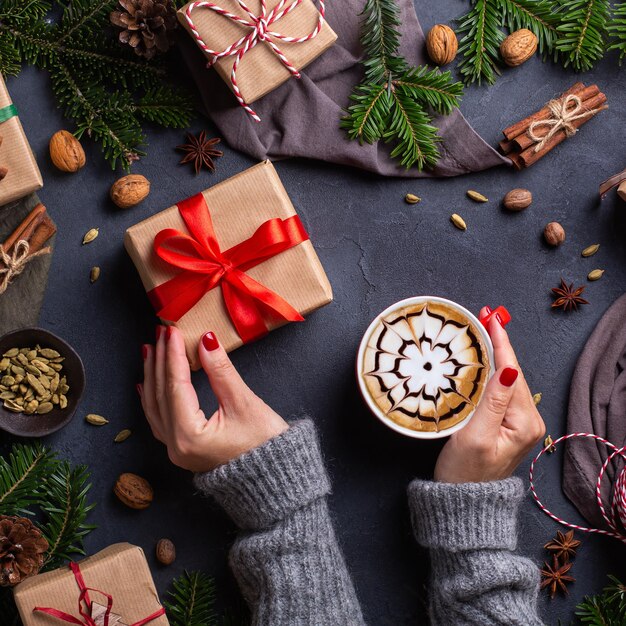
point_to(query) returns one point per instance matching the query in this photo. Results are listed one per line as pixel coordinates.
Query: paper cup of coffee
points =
(422, 366)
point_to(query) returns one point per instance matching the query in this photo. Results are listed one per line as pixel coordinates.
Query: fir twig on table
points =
(605, 609)
(617, 30)
(191, 601)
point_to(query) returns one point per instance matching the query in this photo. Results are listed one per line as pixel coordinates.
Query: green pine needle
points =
(617, 30)
(191, 600)
(106, 89)
(394, 101)
(582, 32)
(605, 609)
(538, 16)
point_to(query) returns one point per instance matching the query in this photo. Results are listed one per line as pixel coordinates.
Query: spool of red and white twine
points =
(259, 26)
(618, 502)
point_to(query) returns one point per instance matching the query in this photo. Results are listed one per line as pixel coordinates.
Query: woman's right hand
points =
(504, 428)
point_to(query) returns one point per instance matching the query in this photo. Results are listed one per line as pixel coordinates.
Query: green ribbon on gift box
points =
(7, 113)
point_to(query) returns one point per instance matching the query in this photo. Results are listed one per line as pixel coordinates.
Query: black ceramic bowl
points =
(42, 425)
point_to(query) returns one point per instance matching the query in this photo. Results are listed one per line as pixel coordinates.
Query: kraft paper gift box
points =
(238, 206)
(23, 176)
(120, 571)
(260, 70)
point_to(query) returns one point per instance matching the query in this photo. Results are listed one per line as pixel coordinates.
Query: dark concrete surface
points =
(376, 249)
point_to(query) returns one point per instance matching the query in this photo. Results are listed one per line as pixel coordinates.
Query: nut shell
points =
(441, 44)
(129, 190)
(554, 234)
(518, 47)
(517, 199)
(66, 152)
(165, 551)
(133, 491)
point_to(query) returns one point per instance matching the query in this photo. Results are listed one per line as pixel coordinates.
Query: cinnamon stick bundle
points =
(530, 139)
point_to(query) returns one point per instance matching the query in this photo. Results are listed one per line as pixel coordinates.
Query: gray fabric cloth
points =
(301, 117)
(597, 404)
(290, 567)
(21, 302)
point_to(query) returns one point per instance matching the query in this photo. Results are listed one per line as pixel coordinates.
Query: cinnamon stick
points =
(517, 129)
(590, 100)
(26, 228)
(611, 183)
(529, 156)
(42, 233)
(506, 146)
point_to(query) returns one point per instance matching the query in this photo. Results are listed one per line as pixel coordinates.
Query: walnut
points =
(517, 199)
(554, 234)
(129, 190)
(441, 44)
(66, 152)
(165, 551)
(518, 47)
(134, 491)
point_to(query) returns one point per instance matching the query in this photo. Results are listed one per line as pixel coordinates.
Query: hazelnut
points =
(66, 152)
(518, 47)
(554, 234)
(517, 199)
(441, 44)
(129, 190)
(165, 551)
(134, 491)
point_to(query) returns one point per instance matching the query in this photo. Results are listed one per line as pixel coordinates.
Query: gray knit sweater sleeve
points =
(286, 559)
(471, 530)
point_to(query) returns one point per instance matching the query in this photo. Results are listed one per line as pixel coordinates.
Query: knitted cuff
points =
(268, 483)
(467, 516)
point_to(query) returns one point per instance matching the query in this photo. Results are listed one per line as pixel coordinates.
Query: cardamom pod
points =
(595, 274)
(458, 221)
(123, 435)
(548, 443)
(62, 401)
(94, 274)
(90, 235)
(13, 406)
(590, 250)
(11, 353)
(537, 398)
(476, 197)
(5, 364)
(44, 407)
(411, 198)
(35, 384)
(96, 420)
(49, 353)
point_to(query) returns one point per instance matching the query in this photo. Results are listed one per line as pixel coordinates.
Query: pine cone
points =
(22, 549)
(146, 25)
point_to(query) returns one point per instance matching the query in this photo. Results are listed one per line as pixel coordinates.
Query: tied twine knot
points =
(563, 113)
(15, 262)
(259, 26)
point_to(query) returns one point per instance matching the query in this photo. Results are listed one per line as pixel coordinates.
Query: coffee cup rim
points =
(374, 408)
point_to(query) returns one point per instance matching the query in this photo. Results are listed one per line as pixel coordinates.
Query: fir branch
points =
(191, 600)
(431, 87)
(538, 16)
(582, 32)
(617, 30)
(367, 117)
(605, 609)
(22, 477)
(480, 41)
(65, 504)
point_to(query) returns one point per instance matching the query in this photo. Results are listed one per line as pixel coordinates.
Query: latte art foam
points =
(425, 366)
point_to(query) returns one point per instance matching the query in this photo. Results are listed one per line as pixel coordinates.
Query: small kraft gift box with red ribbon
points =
(111, 588)
(256, 45)
(234, 259)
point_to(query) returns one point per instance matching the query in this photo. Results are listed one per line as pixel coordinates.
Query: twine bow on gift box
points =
(205, 266)
(259, 26)
(84, 601)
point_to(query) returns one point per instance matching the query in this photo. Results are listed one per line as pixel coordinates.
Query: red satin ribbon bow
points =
(84, 600)
(205, 266)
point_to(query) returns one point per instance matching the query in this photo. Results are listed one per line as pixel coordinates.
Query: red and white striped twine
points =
(259, 25)
(618, 504)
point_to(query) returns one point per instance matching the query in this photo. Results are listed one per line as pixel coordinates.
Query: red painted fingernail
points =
(168, 332)
(509, 376)
(139, 389)
(500, 313)
(144, 351)
(499, 320)
(210, 342)
(487, 311)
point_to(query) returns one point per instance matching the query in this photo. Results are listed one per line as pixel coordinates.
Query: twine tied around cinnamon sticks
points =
(563, 117)
(15, 262)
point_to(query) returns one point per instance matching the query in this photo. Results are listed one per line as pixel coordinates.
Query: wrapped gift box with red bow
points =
(257, 45)
(113, 587)
(234, 259)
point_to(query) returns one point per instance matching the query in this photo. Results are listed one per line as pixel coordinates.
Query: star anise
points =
(200, 151)
(563, 546)
(568, 298)
(556, 577)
